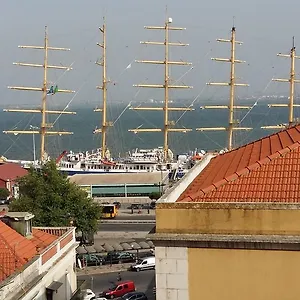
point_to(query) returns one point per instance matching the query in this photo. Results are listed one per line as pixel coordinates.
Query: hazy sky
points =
(265, 26)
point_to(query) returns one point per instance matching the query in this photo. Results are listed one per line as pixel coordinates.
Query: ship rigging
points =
(45, 127)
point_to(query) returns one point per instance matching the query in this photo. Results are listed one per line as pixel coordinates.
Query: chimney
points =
(20, 222)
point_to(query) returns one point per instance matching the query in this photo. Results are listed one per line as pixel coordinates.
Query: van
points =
(144, 264)
(119, 289)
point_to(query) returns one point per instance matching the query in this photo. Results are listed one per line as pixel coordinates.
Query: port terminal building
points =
(123, 187)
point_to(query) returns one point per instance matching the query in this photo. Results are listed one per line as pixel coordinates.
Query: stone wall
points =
(171, 264)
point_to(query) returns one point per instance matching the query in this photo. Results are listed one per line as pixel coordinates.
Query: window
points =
(119, 288)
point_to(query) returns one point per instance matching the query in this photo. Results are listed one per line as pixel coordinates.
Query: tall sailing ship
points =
(233, 124)
(99, 161)
(292, 80)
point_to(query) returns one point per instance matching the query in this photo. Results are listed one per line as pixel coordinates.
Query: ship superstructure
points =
(138, 160)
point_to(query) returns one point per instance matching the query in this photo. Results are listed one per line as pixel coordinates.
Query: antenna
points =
(44, 129)
(103, 87)
(232, 124)
(166, 86)
(292, 82)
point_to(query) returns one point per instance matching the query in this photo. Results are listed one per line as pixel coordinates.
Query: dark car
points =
(90, 260)
(134, 296)
(119, 257)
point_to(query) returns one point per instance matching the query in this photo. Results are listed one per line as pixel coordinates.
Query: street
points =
(144, 281)
(135, 216)
(125, 227)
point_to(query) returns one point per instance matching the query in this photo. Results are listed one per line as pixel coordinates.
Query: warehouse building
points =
(125, 187)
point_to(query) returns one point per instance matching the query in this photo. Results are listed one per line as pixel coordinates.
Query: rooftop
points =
(119, 178)
(16, 250)
(10, 171)
(19, 215)
(266, 170)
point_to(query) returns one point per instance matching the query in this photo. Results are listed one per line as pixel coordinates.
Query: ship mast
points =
(103, 87)
(292, 82)
(44, 128)
(232, 124)
(166, 86)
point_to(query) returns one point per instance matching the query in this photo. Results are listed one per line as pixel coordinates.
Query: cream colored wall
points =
(216, 274)
(218, 220)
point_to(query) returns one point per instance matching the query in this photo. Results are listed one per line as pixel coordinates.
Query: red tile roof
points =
(42, 239)
(267, 170)
(16, 250)
(9, 171)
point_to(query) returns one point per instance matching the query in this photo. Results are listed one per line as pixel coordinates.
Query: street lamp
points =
(137, 252)
(33, 142)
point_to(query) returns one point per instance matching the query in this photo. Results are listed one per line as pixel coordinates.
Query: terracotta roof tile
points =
(16, 250)
(9, 171)
(267, 170)
(42, 239)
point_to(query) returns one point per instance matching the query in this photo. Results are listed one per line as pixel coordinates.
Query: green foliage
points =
(4, 193)
(55, 201)
(154, 195)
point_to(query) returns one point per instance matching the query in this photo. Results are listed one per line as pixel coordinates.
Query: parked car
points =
(144, 264)
(90, 260)
(119, 289)
(88, 294)
(134, 296)
(119, 257)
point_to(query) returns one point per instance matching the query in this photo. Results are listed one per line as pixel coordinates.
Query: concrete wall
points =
(229, 274)
(227, 219)
(124, 200)
(171, 267)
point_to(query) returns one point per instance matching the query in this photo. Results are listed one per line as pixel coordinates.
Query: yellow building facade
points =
(227, 251)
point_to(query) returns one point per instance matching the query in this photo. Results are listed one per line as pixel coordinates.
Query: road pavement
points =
(110, 227)
(144, 281)
(135, 216)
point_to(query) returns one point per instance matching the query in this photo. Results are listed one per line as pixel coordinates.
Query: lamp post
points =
(161, 182)
(137, 252)
(33, 142)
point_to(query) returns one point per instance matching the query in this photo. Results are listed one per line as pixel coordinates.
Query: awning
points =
(54, 286)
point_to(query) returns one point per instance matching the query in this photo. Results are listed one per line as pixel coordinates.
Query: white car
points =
(144, 264)
(88, 294)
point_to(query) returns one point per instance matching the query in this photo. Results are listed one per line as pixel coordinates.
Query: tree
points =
(154, 195)
(55, 201)
(4, 193)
